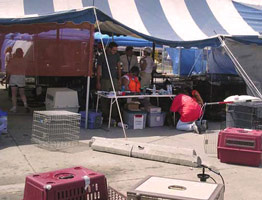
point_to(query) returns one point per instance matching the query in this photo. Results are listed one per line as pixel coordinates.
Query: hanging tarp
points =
(249, 57)
(187, 62)
(219, 62)
(170, 22)
(63, 52)
(123, 40)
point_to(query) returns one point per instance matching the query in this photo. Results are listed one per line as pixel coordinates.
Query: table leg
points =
(110, 113)
(97, 102)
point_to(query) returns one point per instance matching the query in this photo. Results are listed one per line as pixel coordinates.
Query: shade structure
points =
(171, 22)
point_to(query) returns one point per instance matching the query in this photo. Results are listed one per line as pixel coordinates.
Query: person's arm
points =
(143, 64)
(119, 71)
(98, 77)
(125, 82)
(3, 80)
(136, 62)
(7, 78)
(176, 104)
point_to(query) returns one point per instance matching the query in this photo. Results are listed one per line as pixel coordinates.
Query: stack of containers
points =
(135, 119)
(95, 119)
(155, 117)
(240, 146)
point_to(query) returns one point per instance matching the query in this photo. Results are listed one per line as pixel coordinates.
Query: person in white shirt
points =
(147, 65)
(128, 60)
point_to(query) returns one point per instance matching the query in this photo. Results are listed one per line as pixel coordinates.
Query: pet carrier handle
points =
(67, 177)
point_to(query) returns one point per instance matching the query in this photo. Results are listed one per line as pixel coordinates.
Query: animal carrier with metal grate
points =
(55, 129)
(77, 183)
(244, 115)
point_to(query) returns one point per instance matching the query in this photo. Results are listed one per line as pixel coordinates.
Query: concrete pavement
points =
(19, 157)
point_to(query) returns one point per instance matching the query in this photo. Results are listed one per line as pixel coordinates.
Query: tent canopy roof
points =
(169, 22)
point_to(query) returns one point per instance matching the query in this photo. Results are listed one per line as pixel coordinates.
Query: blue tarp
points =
(220, 63)
(187, 61)
(194, 61)
(123, 40)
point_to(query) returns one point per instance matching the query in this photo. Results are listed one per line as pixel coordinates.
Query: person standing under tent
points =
(16, 77)
(147, 65)
(189, 110)
(103, 81)
(128, 60)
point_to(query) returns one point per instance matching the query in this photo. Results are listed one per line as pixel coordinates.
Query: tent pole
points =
(179, 63)
(153, 57)
(87, 99)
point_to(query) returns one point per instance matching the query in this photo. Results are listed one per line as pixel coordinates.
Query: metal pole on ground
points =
(87, 99)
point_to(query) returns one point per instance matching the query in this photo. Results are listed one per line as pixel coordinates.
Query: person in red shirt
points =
(189, 111)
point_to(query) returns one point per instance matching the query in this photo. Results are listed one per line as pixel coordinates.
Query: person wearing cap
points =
(147, 65)
(128, 60)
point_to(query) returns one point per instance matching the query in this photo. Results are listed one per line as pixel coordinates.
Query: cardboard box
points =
(133, 106)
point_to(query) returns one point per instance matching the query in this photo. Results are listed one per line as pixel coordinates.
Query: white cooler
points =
(61, 99)
(155, 188)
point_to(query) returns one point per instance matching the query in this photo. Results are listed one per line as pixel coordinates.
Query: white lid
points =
(180, 188)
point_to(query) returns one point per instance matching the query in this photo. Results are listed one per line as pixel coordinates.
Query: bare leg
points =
(22, 95)
(14, 98)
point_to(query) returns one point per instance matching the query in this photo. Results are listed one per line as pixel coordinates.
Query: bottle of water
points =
(170, 89)
(154, 89)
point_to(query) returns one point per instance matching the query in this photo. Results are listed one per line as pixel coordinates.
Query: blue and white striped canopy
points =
(171, 22)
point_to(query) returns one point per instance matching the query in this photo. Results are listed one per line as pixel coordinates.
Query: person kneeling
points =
(189, 111)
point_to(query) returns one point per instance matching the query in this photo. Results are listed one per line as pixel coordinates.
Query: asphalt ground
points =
(19, 157)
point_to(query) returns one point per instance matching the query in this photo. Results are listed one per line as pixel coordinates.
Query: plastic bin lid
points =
(136, 112)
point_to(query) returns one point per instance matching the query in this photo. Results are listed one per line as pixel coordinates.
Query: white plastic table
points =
(112, 97)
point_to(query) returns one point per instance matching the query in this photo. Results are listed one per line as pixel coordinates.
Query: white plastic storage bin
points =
(153, 109)
(156, 119)
(155, 188)
(135, 119)
(61, 99)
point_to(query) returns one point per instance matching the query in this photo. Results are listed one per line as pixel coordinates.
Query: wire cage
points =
(114, 194)
(210, 142)
(55, 129)
(244, 115)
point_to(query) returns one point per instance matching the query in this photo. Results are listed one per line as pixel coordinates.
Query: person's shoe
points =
(197, 129)
(13, 109)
